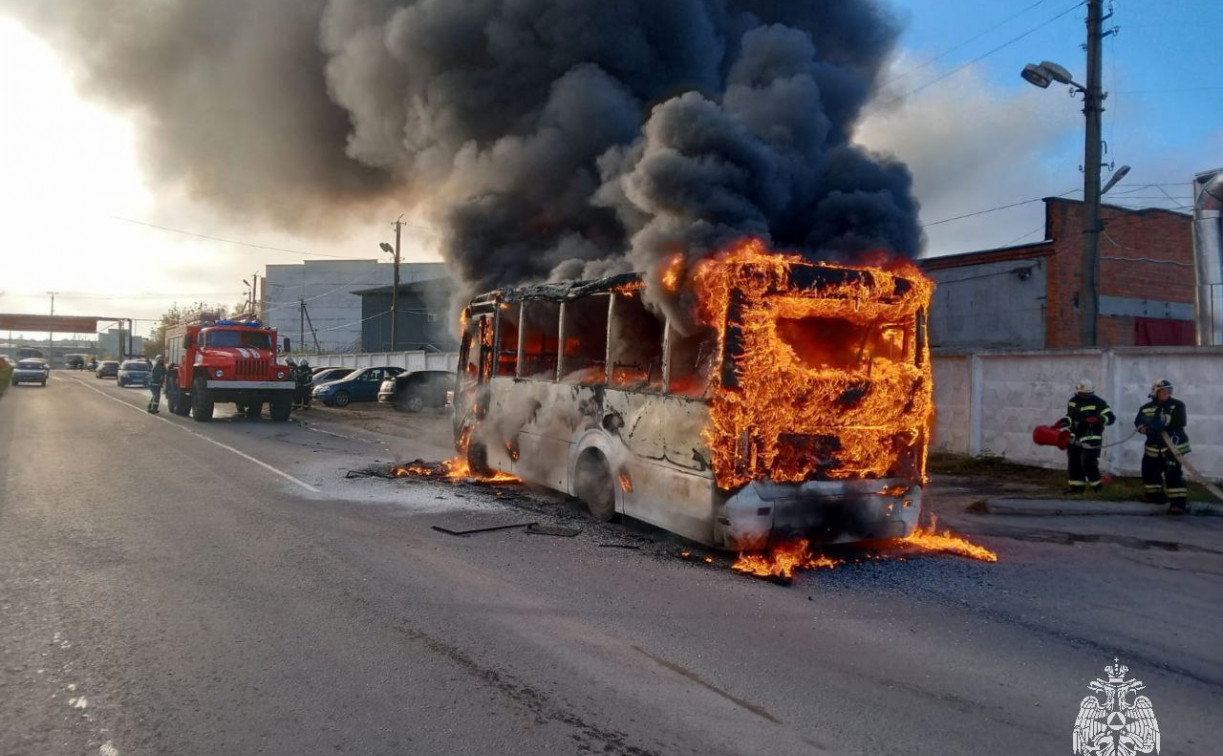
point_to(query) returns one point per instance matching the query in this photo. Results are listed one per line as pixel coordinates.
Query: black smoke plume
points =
(548, 138)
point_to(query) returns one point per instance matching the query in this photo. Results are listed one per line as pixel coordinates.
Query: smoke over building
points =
(548, 139)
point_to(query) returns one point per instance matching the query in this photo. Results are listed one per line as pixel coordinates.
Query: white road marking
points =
(337, 435)
(227, 447)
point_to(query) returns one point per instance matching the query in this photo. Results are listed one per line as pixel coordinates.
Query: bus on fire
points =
(796, 403)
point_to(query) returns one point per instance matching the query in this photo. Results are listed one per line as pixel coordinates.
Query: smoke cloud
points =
(548, 139)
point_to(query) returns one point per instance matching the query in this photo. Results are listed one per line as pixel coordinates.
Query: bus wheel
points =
(593, 484)
(477, 460)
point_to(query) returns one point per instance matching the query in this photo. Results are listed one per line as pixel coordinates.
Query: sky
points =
(81, 220)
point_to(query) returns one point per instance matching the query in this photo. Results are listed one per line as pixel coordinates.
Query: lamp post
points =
(394, 252)
(1093, 104)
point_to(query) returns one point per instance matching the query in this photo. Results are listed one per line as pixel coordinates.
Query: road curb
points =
(1032, 507)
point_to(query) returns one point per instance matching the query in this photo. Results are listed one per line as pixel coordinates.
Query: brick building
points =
(1028, 296)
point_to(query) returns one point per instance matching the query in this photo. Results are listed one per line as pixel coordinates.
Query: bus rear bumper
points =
(824, 512)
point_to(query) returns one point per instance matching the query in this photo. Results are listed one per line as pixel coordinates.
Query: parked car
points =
(330, 374)
(133, 373)
(74, 361)
(321, 368)
(31, 371)
(361, 385)
(107, 369)
(413, 392)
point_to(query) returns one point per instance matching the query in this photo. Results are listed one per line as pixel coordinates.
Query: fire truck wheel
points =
(201, 401)
(593, 484)
(254, 410)
(281, 406)
(340, 399)
(180, 403)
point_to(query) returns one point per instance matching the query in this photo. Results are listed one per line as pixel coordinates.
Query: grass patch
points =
(1047, 482)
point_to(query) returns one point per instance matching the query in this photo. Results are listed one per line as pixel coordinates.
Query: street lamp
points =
(394, 251)
(1042, 75)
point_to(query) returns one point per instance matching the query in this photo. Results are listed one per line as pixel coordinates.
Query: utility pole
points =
(395, 286)
(301, 323)
(51, 335)
(395, 290)
(1093, 106)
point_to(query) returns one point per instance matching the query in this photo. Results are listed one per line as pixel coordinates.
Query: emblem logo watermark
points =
(1115, 721)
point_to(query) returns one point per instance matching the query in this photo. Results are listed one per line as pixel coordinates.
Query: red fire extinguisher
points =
(1051, 435)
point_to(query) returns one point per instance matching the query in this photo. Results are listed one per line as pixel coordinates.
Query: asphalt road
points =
(168, 587)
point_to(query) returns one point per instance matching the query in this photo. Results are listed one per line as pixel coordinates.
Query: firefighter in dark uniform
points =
(297, 389)
(157, 376)
(1086, 416)
(1162, 475)
(304, 377)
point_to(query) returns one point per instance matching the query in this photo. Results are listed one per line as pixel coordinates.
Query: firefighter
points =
(292, 363)
(1162, 476)
(1086, 416)
(157, 376)
(304, 378)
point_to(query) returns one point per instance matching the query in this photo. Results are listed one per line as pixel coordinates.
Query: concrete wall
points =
(411, 361)
(989, 402)
(327, 288)
(1000, 304)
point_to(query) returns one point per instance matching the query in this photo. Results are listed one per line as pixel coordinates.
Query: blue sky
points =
(1164, 111)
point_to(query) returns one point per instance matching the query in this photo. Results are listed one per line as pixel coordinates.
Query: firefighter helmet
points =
(1085, 386)
(305, 363)
(159, 358)
(1160, 385)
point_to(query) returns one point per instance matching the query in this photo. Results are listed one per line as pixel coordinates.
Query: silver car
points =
(31, 371)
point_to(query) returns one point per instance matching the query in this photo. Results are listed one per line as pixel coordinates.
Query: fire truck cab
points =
(210, 361)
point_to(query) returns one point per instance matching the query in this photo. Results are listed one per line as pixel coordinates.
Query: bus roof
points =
(803, 276)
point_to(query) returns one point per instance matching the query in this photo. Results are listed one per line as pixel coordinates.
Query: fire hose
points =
(1214, 490)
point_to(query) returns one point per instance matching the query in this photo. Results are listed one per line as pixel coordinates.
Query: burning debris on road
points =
(454, 470)
(782, 561)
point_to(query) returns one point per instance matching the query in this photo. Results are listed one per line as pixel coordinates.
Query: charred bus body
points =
(801, 408)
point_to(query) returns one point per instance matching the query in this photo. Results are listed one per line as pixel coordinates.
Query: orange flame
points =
(455, 469)
(826, 381)
(672, 272)
(625, 484)
(782, 561)
(927, 539)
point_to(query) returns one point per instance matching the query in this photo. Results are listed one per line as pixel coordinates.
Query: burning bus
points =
(798, 407)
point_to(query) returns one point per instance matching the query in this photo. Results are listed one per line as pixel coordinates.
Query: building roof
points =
(408, 288)
(1002, 254)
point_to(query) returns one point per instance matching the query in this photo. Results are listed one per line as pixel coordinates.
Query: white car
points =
(31, 371)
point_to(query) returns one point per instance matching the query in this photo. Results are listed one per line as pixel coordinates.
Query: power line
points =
(252, 245)
(968, 41)
(988, 53)
(994, 209)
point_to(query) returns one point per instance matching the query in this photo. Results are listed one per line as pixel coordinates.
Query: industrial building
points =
(1027, 296)
(423, 321)
(314, 303)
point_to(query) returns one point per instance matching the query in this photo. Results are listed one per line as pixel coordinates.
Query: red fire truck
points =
(212, 361)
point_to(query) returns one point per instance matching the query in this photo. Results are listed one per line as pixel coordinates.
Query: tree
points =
(156, 343)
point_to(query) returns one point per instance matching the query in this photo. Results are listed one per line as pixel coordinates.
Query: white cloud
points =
(971, 148)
